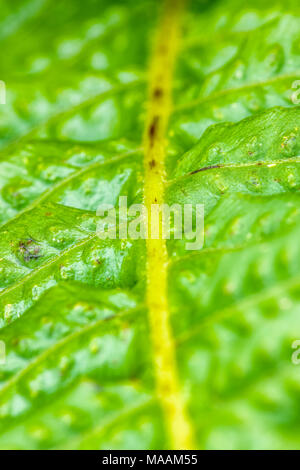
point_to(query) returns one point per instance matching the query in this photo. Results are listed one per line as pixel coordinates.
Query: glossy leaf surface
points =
(73, 312)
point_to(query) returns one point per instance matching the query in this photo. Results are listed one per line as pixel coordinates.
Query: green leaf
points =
(80, 360)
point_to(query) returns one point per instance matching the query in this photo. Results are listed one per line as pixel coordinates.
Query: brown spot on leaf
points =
(205, 168)
(157, 93)
(153, 129)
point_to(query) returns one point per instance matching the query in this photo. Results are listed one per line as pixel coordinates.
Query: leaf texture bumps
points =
(73, 309)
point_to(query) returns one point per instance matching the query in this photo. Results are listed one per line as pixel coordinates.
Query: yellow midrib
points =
(159, 108)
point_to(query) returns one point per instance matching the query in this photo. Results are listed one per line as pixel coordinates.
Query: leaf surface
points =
(79, 369)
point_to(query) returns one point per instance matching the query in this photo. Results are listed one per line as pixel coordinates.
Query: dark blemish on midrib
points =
(152, 164)
(29, 254)
(157, 93)
(153, 129)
